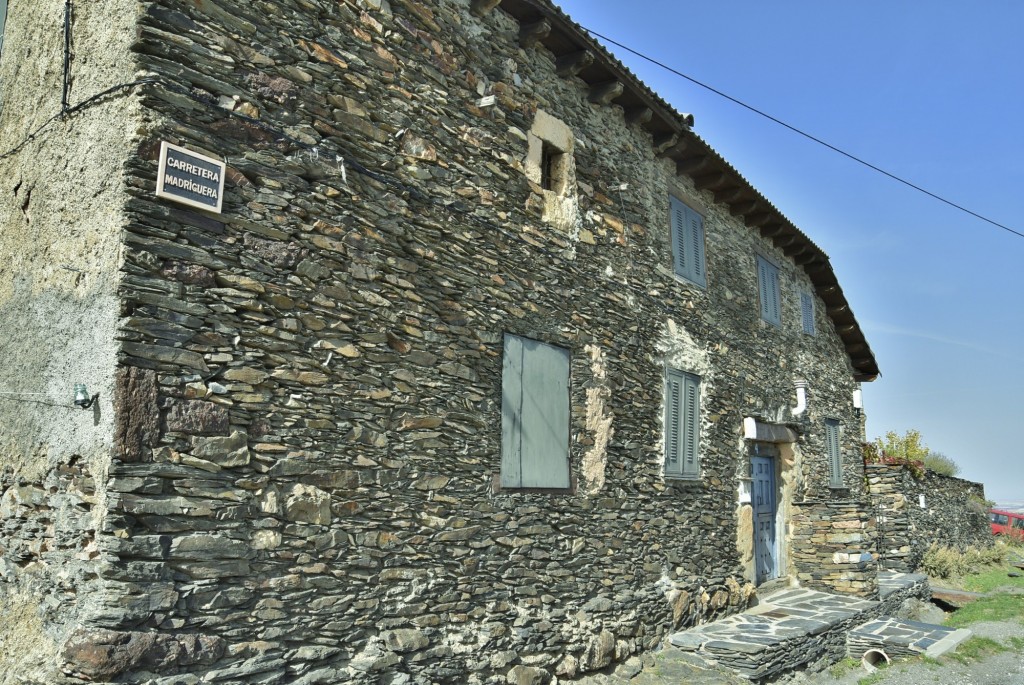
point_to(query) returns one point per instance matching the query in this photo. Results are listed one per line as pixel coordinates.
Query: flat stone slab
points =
(774, 636)
(955, 598)
(892, 581)
(790, 628)
(904, 638)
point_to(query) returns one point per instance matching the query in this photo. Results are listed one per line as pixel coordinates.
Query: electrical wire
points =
(800, 132)
(66, 92)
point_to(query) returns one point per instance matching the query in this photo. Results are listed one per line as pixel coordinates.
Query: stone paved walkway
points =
(796, 628)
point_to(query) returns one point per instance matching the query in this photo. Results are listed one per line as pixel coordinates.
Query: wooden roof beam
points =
(772, 229)
(806, 258)
(715, 179)
(531, 34)
(757, 219)
(665, 145)
(570, 64)
(728, 195)
(786, 239)
(639, 115)
(483, 7)
(836, 309)
(691, 165)
(744, 207)
(795, 248)
(604, 93)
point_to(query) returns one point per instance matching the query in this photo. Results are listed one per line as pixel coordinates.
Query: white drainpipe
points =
(801, 398)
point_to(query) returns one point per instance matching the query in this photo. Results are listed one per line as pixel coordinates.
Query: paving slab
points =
(792, 628)
(904, 638)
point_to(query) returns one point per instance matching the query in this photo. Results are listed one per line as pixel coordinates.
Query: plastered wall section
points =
(61, 198)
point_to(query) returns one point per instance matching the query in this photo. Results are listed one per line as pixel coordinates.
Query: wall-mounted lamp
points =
(82, 398)
(858, 401)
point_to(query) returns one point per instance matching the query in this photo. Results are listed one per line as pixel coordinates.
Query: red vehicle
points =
(1007, 523)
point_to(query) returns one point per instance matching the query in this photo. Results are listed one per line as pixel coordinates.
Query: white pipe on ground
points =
(873, 658)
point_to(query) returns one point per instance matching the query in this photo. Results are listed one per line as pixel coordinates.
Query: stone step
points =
(954, 598)
(899, 638)
(794, 629)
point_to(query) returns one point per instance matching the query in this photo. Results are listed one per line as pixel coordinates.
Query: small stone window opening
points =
(550, 165)
(552, 168)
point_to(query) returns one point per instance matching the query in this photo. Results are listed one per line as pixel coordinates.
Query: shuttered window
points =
(3, 19)
(534, 415)
(768, 284)
(807, 312)
(835, 455)
(687, 243)
(682, 424)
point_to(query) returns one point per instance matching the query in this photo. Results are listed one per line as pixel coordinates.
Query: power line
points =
(794, 129)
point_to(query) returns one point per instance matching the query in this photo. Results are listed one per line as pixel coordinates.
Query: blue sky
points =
(930, 91)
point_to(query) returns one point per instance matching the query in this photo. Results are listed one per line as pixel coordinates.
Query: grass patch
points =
(976, 649)
(1016, 643)
(998, 607)
(841, 668)
(993, 578)
(875, 677)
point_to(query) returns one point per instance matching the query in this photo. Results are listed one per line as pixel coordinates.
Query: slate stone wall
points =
(835, 547)
(954, 514)
(308, 390)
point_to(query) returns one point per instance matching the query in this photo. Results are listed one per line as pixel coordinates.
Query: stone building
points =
(488, 368)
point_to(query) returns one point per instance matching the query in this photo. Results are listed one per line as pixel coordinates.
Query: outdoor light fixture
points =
(858, 401)
(82, 398)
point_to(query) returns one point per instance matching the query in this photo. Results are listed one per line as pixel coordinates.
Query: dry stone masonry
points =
(915, 512)
(293, 470)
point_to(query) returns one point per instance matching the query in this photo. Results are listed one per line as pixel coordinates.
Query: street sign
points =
(190, 178)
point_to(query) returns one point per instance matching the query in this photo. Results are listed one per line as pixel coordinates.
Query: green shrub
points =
(940, 463)
(948, 562)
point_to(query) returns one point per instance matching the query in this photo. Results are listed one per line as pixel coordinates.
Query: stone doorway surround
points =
(778, 441)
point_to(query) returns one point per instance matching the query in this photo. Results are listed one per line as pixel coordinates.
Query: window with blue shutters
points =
(807, 312)
(534, 415)
(3, 19)
(682, 424)
(768, 286)
(835, 454)
(687, 242)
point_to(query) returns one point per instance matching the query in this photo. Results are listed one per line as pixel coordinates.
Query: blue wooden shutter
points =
(534, 415)
(768, 282)
(682, 422)
(835, 460)
(807, 312)
(695, 224)
(687, 242)
(691, 415)
(679, 242)
(3, 19)
(673, 422)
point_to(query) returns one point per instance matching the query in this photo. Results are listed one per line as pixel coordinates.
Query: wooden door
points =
(766, 554)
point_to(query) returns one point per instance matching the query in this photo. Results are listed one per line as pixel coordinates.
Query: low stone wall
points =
(833, 547)
(915, 513)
